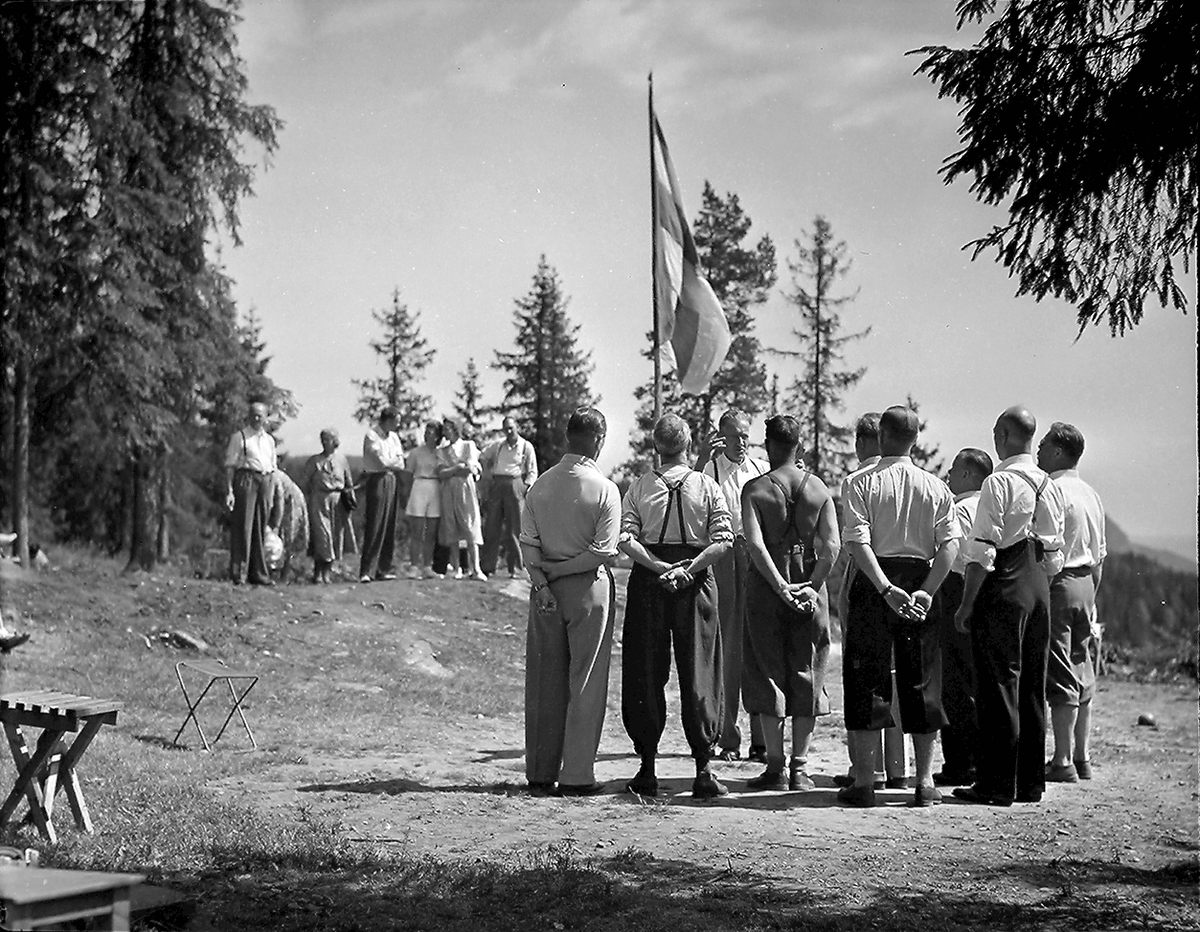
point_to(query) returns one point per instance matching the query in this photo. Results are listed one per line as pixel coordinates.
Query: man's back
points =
(787, 498)
(567, 503)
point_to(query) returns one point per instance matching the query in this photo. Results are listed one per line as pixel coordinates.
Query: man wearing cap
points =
(250, 464)
(569, 532)
(1070, 675)
(1015, 548)
(902, 537)
(792, 536)
(960, 733)
(724, 456)
(511, 464)
(675, 525)
(383, 459)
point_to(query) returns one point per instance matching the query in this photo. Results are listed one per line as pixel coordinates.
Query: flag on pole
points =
(693, 332)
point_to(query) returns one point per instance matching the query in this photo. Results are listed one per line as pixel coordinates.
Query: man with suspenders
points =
(1014, 550)
(675, 525)
(724, 457)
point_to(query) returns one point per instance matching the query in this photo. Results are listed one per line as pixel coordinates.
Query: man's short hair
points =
(901, 423)
(867, 427)
(784, 429)
(389, 414)
(1067, 438)
(437, 428)
(733, 414)
(671, 435)
(586, 422)
(976, 460)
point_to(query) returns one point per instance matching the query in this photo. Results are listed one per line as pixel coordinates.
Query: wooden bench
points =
(45, 898)
(52, 765)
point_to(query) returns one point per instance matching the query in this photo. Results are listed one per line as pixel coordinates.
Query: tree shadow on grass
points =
(557, 887)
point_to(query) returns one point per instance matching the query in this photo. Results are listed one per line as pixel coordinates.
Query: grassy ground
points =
(360, 672)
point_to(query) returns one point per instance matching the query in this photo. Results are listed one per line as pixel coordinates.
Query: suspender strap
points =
(674, 493)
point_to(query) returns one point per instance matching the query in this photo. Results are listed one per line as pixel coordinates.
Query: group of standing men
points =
(966, 607)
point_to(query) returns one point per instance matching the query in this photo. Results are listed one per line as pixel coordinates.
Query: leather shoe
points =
(862, 797)
(538, 788)
(644, 783)
(1083, 768)
(971, 794)
(580, 789)
(1029, 796)
(798, 779)
(1061, 774)
(9, 641)
(944, 778)
(844, 779)
(896, 783)
(926, 796)
(768, 780)
(758, 754)
(706, 786)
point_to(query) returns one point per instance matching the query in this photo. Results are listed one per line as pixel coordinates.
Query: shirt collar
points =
(580, 459)
(888, 460)
(734, 464)
(868, 462)
(1020, 459)
(963, 496)
(1059, 473)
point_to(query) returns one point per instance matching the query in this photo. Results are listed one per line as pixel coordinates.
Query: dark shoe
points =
(262, 582)
(1030, 796)
(862, 797)
(926, 796)
(970, 794)
(896, 783)
(9, 641)
(645, 783)
(944, 778)
(798, 779)
(1083, 768)
(580, 789)
(768, 780)
(540, 789)
(1062, 774)
(758, 754)
(844, 779)
(729, 754)
(706, 786)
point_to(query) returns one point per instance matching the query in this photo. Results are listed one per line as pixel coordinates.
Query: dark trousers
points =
(1010, 638)
(654, 618)
(730, 573)
(379, 524)
(958, 685)
(502, 523)
(253, 493)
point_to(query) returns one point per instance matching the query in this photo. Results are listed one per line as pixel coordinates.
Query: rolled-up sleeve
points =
(987, 529)
(531, 536)
(631, 518)
(720, 521)
(608, 524)
(945, 527)
(858, 520)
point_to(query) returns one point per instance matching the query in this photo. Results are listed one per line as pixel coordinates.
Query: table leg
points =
(70, 782)
(28, 769)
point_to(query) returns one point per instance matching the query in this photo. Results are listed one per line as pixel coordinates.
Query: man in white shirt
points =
(1015, 548)
(959, 736)
(569, 535)
(383, 459)
(1070, 675)
(900, 533)
(511, 464)
(724, 456)
(250, 465)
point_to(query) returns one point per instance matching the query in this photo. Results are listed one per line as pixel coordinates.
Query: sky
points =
(442, 147)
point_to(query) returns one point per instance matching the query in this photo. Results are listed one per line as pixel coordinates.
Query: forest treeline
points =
(1149, 609)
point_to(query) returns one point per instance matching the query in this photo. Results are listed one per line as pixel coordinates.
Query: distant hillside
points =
(1119, 542)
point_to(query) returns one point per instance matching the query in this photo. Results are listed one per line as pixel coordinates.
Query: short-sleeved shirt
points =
(705, 515)
(965, 506)
(731, 476)
(381, 453)
(518, 460)
(1084, 543)
(572, 509)
(251, 449)
(1010, 511)
(899, 510)
(423, 462)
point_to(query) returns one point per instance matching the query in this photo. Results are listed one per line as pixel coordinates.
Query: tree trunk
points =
(143, 547)
(164, 514)
(20, 455)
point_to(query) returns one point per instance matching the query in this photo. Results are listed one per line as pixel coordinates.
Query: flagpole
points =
(654, 256)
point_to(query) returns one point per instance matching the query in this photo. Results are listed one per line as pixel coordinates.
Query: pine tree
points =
(820, 263)
(405, 356)
(742, 278)
(468, 400)
(548, 374)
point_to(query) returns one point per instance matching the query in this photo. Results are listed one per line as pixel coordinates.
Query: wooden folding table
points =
(45, 898)
(53, 763)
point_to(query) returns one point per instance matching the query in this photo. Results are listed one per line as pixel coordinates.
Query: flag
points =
(692, 330)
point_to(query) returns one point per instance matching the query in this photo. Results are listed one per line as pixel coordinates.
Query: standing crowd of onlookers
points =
(461, 506)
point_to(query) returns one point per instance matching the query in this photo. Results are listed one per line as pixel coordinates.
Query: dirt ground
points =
(452, 789)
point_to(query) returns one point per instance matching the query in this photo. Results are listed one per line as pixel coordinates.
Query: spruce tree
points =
(819, 390)
(742, 276)
(468, 400)
(547, 376)
(405, 356)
